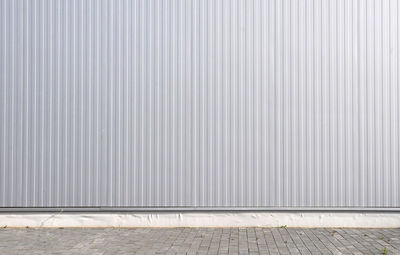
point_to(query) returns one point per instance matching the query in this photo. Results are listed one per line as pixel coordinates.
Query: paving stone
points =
(198, 241)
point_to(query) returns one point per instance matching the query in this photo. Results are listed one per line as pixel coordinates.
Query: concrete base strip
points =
(203, 219)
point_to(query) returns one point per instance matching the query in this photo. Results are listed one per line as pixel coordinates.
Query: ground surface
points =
(199, 241)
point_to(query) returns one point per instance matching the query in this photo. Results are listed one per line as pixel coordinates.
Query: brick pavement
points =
(199, 241)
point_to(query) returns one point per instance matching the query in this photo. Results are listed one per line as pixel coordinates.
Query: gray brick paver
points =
(198, 241)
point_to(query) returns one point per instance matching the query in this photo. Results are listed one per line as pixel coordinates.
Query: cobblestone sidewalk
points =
(199, 241)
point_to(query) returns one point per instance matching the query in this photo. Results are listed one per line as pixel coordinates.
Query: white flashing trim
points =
(203, 219)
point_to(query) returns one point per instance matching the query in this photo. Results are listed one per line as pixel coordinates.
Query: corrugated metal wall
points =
(229, 103)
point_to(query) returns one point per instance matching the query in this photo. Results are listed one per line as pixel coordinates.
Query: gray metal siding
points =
(230, 103)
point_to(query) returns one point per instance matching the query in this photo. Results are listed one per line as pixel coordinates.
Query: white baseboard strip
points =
(203, 219)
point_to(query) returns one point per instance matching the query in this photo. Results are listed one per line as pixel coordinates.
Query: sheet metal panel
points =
(199, 103)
